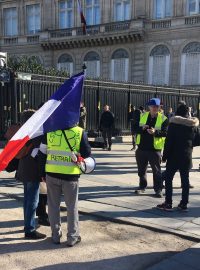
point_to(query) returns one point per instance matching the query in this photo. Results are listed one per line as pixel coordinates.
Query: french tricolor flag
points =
(61, 111)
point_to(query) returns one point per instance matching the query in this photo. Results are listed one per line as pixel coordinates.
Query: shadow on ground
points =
(136, 262)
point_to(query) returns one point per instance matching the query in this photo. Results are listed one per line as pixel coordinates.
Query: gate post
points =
(13, 89)
(98, 106)
(129, 106)
(198, 108)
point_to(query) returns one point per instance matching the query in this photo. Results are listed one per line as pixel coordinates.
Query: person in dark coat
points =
(151, 131)
(41, 211)
(28, 173)
(134, 118)
(131, 118)
(182, 133)
(83, 115)
(106, 126)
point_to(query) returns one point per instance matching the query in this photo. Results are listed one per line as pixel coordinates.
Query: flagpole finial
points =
(84, 67)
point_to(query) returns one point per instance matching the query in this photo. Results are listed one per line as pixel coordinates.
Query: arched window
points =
(190, 64)
(163, 8)
(92, 61)
(65, 62)
(159, 64)
(120, 65)
(122, 10)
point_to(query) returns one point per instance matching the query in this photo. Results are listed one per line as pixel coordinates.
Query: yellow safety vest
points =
(159, 142)
(59, 154)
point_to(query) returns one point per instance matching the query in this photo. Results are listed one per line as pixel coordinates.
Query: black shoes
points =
(43, 221)
(109, 148)
(182, 207)
(159, 194)
(35, 235)
(139, 191)
(168, 207)
(164, 206)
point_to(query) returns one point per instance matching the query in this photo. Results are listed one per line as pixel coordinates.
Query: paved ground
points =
(105, 245)
(109, 193)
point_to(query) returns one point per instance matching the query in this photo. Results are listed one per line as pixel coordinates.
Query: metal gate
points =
(20, 94)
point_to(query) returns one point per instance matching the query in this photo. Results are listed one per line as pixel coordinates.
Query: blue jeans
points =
(31, 198)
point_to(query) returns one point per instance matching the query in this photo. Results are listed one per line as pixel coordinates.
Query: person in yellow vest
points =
(57, 156)
(151, 133)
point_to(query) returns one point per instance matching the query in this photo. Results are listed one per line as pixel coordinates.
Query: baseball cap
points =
(154, 102)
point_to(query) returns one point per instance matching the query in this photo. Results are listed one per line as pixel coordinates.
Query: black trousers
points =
(154, 159)
(171, 169)
(133, 139)
(107, 136)
(41, 209)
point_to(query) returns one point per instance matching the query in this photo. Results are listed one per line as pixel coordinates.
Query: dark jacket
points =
(85, 151)
(147, 140)
(182, 133)
(107, 120)
(134, 118)
(82, 119)
(28, 165)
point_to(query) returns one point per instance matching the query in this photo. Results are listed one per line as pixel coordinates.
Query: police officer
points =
(57, 155)
(151, 132)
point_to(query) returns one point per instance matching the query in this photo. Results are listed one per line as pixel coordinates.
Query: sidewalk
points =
(109, 193)
(186, 260)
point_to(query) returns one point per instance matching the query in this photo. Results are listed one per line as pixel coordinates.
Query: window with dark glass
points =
(92, 61)
(120, 65)
(65, 63)
(33, 18)
(92, 12)
(190, 64)
(10, 21)
(193, 7)
(159, 65)
(66, 14)
(122, 10)
(163, 8)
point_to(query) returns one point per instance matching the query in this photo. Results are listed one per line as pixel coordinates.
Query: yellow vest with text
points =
(159, 142)
(59, 154)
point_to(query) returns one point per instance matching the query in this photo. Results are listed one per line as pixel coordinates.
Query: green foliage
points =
(32, 65)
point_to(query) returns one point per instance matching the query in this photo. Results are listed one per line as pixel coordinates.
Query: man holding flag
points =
(58, 118)
(58, 165)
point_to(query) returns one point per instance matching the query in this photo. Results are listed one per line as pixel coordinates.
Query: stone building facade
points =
(151, 41)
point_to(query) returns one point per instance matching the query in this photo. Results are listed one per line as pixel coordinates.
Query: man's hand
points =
(151, 131)
(145, 127)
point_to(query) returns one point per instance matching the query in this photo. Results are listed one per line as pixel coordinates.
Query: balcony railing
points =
(33, 39)
(10, 40)
(61, 33)
(161, 24)
(192, 20)
(91, 29)
(117, 26)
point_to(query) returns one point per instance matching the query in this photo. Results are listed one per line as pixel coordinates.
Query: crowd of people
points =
(51, 161)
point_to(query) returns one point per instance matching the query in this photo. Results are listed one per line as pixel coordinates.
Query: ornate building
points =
(150, 41)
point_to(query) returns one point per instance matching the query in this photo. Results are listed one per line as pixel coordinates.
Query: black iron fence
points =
(21, 94)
